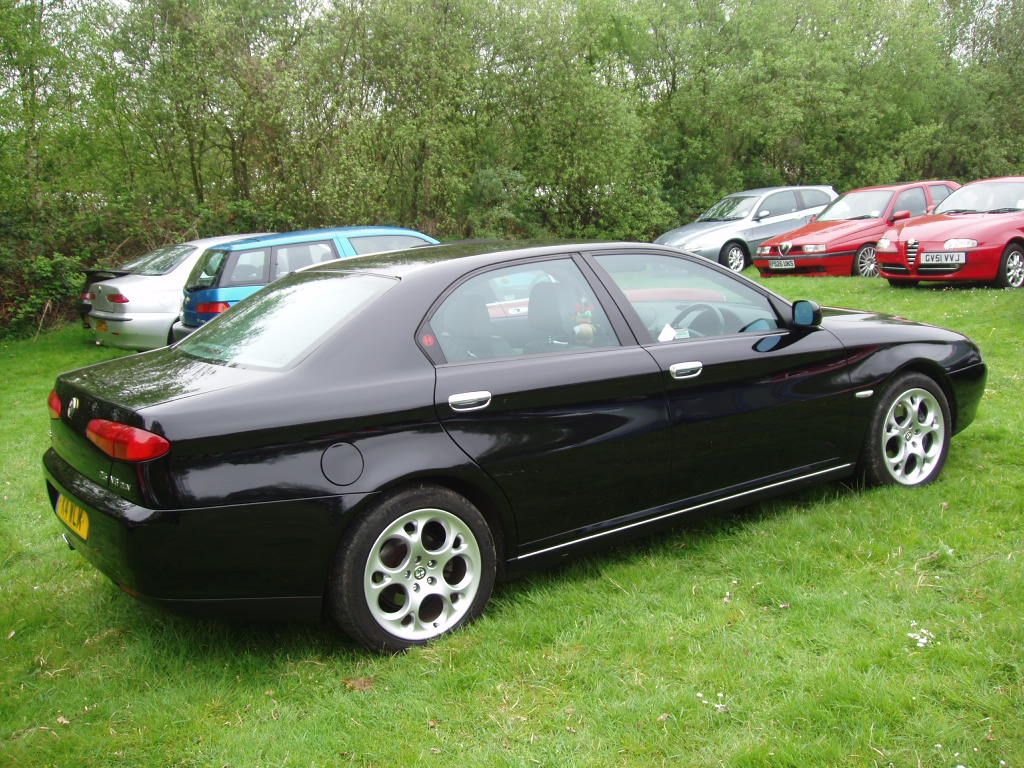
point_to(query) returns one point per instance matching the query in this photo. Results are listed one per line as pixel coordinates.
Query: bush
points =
(35, 290)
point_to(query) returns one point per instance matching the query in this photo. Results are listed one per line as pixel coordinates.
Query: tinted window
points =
(814, 197)
(247, 267)
(281, 324)
(535, 308)
(161, 261)
(912, 200)
(288, 258)
(378, 243)
(677, 299)
(780, 203)
(939, 192)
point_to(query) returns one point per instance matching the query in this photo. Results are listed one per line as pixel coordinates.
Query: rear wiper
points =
(959, 210)
(1002, 210)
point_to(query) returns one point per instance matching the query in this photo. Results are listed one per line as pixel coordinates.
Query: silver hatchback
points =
(730, 230)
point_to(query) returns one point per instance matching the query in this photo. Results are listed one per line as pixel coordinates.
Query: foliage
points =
(124, 125)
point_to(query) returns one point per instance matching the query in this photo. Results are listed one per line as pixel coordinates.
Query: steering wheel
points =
(701, 320)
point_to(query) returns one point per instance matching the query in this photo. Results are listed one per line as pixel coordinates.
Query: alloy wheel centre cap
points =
(420, 572)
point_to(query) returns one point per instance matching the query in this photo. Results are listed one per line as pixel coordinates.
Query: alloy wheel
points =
(422, 574)
(867, 261)
(735, 259)
(913, 436)
(1015, 268)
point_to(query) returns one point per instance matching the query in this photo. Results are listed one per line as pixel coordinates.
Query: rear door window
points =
(535, 308)
(247, 268)
(814, 197)
(288, 258)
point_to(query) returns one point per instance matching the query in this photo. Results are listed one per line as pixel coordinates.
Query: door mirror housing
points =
(814, 218)
(930, 209)
(899, 216)
(806, 314)
(762, 214)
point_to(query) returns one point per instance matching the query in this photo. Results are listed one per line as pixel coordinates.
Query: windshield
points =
(870, 204)
(161, 261)
(985, 197)
(730, 208)
(285, 321)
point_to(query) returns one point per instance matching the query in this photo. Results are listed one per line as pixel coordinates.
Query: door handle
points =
(688, 370)
(469, 401)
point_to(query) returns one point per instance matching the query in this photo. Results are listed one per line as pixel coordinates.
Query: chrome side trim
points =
(864, 394)
(665, 515)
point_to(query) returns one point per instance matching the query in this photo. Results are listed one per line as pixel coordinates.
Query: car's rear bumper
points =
(265, 560)
(137, 330)
(180, 331)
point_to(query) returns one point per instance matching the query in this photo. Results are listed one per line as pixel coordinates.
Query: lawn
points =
(835, 627)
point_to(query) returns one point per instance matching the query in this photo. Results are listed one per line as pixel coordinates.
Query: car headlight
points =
(814, 248)
(885, 244)
(960, 242)
(764, 250)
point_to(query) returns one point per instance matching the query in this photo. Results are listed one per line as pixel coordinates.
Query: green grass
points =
(773, 636)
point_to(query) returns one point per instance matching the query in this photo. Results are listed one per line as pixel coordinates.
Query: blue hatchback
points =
(229, 273)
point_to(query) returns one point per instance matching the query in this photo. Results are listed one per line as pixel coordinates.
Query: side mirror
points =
(763, 214)
(899, 216)
(814, 218)
(806, 314)
(930, 209)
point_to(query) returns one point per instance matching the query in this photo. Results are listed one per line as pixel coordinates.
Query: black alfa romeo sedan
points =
(380, 438)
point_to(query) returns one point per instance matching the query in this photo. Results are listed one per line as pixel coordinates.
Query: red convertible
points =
(976, 234)
(841, 239)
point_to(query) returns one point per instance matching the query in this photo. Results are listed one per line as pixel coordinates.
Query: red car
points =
(841, 239)
(976, 234)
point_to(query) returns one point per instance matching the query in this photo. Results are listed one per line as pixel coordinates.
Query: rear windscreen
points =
(285, 321)
(161, 261)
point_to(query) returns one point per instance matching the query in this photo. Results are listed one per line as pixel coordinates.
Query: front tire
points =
(908, 438)
(734, 256)
(1011, 267)
(865, 263)
(418, 565)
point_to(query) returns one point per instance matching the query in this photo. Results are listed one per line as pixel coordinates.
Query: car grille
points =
(896, 269)
(912, 248)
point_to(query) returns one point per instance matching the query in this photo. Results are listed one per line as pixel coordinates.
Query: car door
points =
(779, 212)
(751, 401)
(541, 383)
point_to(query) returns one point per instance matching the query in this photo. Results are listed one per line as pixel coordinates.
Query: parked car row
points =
(907, 233)
(141, 305)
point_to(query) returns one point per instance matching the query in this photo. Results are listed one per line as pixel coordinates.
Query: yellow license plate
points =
(101, 326)
(76, 518)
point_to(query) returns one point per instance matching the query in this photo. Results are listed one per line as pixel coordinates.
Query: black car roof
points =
(459, 257)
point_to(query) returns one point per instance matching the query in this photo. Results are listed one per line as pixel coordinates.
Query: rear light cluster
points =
(213, 307)
(54, 404)
(117, 298)
(125, 443)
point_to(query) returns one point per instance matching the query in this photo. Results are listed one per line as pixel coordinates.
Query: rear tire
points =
(908, 437)
(1011, 267)
(419, 564)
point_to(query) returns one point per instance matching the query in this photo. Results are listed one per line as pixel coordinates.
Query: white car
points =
(136, 311)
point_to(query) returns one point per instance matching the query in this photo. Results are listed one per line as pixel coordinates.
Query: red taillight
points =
(119, 441)
(117, 298)
(213, 307)
(54, 404)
